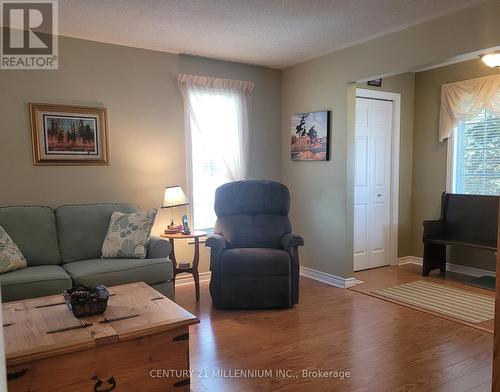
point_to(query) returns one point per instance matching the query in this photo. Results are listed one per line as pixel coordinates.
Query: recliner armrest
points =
(158, 248)
(216, 241)
(433, 228)
(289, 241)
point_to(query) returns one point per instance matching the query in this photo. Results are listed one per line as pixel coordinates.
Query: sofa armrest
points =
(290, 241)
(216, 241)
(158, 248)
(433, 228)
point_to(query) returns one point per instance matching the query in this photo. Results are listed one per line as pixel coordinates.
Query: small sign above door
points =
(375, 83)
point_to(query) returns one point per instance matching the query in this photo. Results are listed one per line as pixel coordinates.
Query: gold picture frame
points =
(68, 135)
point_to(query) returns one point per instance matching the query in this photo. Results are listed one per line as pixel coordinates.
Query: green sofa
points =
(63, 248)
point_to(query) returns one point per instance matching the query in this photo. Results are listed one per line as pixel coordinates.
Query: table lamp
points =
(174, 197)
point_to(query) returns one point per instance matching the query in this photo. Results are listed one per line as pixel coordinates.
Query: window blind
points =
(477, 155)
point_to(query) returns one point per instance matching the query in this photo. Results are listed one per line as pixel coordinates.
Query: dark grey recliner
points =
(254, 255)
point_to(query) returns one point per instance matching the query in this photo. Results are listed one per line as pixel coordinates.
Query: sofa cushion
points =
(254, 262)
(128, 235)
(11, 258)
(33, 229)
(82, 228)
(112, 272)
(36, 281)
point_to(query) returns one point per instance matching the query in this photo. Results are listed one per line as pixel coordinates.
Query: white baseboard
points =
(184, 279)
(457, 268)
(332, 280)
(344, 283)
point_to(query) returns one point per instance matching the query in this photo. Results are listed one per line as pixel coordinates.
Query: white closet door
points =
(372, 183)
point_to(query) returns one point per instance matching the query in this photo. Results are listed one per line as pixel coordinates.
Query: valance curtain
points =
(223, 131)
(467, 99)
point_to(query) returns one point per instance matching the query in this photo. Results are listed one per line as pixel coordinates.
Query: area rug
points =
(461, 304)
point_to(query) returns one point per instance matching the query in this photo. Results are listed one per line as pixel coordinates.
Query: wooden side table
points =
(193, 269)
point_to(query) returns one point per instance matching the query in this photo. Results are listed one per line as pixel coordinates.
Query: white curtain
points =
(219, 110)
(467, 99)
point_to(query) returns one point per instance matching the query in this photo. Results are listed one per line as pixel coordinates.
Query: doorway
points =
(376, 178)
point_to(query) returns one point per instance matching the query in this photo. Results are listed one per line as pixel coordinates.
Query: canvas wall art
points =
(69, 135)
(309, 136)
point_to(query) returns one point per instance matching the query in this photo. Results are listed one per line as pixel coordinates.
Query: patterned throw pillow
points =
(128, 235)
(11, 257)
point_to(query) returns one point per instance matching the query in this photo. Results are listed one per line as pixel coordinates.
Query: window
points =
(217, 112)
(476, 155)
(213, 112)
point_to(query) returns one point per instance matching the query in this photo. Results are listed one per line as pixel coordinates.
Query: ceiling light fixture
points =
(491, 59)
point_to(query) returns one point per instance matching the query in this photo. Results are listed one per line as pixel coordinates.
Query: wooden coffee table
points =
(141, 343)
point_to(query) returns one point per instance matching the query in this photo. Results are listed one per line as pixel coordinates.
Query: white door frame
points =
(395, 98)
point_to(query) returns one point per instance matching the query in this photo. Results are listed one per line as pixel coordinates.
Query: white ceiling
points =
(273, 33)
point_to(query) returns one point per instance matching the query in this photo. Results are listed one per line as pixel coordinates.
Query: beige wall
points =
(403, 84)
(322, 192)
(146, 124)
(429, 155)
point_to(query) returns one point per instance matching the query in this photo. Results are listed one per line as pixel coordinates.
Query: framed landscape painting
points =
(68, 135)
(310, 136)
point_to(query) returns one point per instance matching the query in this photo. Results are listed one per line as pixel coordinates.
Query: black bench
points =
(466, 220)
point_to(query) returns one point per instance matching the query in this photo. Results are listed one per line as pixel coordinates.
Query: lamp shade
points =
(174, 197)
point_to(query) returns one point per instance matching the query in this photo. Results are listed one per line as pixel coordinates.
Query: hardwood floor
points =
(384, 277)
(385, 347)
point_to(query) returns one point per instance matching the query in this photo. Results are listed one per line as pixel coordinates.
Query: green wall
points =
(322, 192)
(429, 155)
(146, 125)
